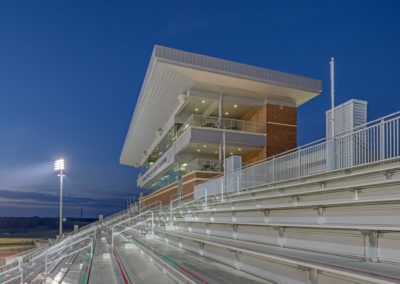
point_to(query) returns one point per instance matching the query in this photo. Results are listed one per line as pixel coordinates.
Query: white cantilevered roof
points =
(172, 72)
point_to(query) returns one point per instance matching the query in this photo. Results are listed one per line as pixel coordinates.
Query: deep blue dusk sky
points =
(71, 71)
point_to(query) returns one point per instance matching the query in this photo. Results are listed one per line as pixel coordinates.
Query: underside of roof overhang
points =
(172, 73)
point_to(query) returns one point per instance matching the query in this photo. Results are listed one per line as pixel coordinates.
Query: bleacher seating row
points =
(337, 227)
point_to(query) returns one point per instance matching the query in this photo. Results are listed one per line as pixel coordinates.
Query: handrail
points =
(68, 245)
(3, 267)
(59, 245)
(180, 197)
(20, 276)
(149, 206)
(63, 242)
(121, 216)
(132, 226)
(91, 243)
(10, 269)
(381, 119)
(152, 224)
(132, 218)
(185, 204)
(190, 121)
(358, 129)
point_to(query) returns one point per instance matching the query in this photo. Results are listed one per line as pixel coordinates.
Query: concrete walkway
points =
(102, 271)
(199, 269)
(139, 268)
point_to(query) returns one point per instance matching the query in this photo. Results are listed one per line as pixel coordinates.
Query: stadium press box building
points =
(190, 106)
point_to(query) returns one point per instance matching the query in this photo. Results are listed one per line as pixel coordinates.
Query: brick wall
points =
(281, 130)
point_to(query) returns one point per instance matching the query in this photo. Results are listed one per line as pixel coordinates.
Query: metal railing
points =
(12, 273)
(223, 123)
(62, 245)
(129, 227)
(45, 254)
(174, 208)
(375, 141)
(128, 221)
(204, 122)
(155, 205)
(63, 248)
(203, 165)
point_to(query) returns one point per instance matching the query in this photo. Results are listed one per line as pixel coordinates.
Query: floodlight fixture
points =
(59, 166)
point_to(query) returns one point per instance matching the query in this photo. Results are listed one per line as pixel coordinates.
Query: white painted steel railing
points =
(180, 205)
(155, 205)
(202, 165)
(128, 222)
(129, 227)
(11, 274)
(89, 244)
(375, 141)
(223, 123)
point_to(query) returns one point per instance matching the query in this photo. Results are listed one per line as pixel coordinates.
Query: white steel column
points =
(333, 146)
(222, 152)
(332, 65)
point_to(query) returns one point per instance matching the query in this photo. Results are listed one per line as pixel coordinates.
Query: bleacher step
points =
(261, 256)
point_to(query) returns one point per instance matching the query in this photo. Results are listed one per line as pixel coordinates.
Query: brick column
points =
(281, 122)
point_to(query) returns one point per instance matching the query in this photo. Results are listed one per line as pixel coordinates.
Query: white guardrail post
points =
(45, 264)
(382, 140)
(170, 213)
(222, 188)
(21, 270)
(205, 198)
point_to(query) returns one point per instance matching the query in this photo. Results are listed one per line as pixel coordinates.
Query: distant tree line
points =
(12, 225)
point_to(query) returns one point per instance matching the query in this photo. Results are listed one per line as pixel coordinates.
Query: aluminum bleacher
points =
(318, 214)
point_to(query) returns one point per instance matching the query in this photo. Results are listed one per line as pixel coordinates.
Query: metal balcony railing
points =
(204, 122)
(223, 123)
(203, 165)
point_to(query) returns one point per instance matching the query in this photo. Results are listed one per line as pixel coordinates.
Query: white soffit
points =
(172, 72)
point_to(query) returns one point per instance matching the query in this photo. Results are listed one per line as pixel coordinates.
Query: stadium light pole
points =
(59, 166)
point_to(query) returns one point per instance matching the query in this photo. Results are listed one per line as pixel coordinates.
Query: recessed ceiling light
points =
(198, 150)
(231, 153)
(215, 152)
(235, 106)
(196, 109)
(204, 146)
(239, 149)
(226, 113)
(203, 101)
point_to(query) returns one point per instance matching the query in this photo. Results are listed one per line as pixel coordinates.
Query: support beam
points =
(280, 235)
(371, 245)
